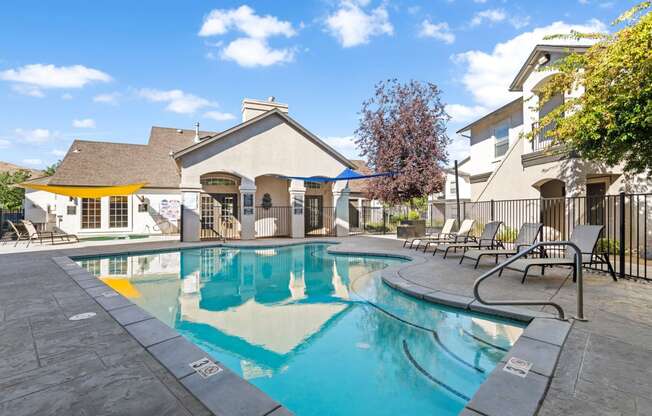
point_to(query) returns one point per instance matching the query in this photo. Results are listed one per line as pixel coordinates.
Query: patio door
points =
(219, 216)
(314, 207)
(595, 202)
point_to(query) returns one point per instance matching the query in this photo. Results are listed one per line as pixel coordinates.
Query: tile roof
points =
(360, 186)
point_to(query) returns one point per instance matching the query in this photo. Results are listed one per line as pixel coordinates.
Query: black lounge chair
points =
(446, 232)
(40, 235)
(460, 236)
(527, 236)
(583, 236)
(487, 239)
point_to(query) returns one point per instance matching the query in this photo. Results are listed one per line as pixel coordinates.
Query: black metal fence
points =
(10, 215)
(273, 221)
(320, 222)
(379, 220)
(627, 221)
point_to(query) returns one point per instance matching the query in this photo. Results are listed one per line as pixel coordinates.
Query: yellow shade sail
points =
(122, 286)
(87, 191)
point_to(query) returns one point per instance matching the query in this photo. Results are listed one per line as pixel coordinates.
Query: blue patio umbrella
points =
(347, 174)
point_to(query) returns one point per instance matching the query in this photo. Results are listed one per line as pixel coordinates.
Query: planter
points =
(411, 229)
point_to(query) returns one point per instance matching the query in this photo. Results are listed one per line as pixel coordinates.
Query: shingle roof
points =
(93, 163)
(360, 186)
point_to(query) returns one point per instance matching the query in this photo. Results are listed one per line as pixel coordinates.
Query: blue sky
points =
(108, 71)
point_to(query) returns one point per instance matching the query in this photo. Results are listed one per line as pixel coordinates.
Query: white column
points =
(341, 203)
(297, 201)
(247, 210)
(191, 206)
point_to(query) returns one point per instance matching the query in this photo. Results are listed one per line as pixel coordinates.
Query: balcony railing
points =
(540, 141)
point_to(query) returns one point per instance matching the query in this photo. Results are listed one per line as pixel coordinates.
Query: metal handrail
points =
(560, 310)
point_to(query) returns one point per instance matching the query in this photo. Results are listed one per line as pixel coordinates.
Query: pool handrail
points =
(577, 257)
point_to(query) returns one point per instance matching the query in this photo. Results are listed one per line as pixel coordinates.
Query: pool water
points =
(319, 333)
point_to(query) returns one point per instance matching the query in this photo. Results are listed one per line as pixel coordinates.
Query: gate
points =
(219, 217)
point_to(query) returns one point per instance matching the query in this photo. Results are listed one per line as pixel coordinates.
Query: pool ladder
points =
(560, 311)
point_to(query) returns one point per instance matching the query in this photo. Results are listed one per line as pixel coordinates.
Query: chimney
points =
(196, 140)
(252, 108)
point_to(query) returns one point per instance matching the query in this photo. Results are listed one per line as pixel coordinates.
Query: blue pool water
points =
(319, 333)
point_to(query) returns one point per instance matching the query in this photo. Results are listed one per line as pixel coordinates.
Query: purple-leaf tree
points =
(403, 130)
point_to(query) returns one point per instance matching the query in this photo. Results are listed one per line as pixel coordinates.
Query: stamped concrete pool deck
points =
(50, 365)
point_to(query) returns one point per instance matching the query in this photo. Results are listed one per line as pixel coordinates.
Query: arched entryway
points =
(220, 210)
(553, 208)
(273, 210)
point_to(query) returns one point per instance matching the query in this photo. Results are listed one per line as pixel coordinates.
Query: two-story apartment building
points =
(504, 164)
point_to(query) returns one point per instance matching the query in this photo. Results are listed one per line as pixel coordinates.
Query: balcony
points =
(542, 149)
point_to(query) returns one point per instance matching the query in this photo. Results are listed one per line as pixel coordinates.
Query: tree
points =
(11, 197)
(403, 130)
(49, 170)
(611, 121)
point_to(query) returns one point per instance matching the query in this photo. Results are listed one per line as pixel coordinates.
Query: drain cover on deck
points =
(205, 367)
(518, 367)
(81, 316)
(109, 294)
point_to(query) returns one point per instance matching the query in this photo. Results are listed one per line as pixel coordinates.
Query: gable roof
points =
(537, 52)
(275, 112)
(360, 186)
(515, 103)
(94, 163)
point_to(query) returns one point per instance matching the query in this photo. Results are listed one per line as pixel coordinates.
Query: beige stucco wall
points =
(276, 188)
(268, 147)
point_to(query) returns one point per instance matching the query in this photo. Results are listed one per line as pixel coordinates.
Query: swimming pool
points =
(319, 333)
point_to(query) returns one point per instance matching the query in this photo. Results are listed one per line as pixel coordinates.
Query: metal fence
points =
(273, 221)
(320, 222)
(10, 215)
(627, 221)
(379, 220)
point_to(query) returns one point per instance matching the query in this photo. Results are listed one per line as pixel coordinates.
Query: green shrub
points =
(606, 245)
(414, 215)
(507, 234)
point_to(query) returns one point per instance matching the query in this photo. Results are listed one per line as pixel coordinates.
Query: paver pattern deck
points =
(50, 365)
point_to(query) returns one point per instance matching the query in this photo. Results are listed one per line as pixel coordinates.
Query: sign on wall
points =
(297, 203)
(170, 209)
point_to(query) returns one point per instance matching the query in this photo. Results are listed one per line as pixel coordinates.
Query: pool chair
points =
(445, 232)
(487, 239)
(527, 236)
(583, 236)
(18, 232)
(460, 236)
(40, 235)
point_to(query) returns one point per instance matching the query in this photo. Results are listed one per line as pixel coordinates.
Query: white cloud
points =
(519, 22)
(66, 96)
(34, 136)
(85, 123)
(351, 25)
(244, 19)
(219, 116)
(480, 1)
(33, 162)
(59, 153)
(464, 113)
(31, 79)
(4, 143)
(109, 98)
(253, 49)
(439, 31)
(488, 75)
(252, 52)
(177, 100)
(29, 90)
(489, 15)
(344, 144)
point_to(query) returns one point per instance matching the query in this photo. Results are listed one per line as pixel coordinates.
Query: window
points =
(217, 181)
(453, 187)
(118, 266)
(91, 215)
(71, 210)
(501, 137)
(92, 266)
(118, 212)
(313, 185)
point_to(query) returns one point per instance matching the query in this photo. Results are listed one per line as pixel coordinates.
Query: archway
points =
(220, 210)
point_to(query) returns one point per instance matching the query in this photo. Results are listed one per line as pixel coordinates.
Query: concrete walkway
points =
(50, 365)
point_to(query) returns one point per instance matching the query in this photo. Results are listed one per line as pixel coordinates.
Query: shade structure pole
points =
(457, 194)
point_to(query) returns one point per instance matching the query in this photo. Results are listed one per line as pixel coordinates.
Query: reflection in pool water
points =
(319, 333)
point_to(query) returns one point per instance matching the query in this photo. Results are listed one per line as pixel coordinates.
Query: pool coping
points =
(540, 343)
(503, 393)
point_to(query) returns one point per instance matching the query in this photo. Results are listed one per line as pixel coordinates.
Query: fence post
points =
(492, 210)
(384, 222)
(621, 254)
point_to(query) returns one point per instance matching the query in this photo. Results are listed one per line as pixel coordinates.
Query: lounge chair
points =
(15, 231)
(445, 232)
(527, 236)
(487, 239)
(40, 235)
(583, 236)
(460, 236)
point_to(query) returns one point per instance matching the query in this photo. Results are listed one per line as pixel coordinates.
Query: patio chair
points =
(40, 235)
(15, 231)
(445, 232)
(460, 236)
(527, 235)
(583, 236)
(487, 239)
